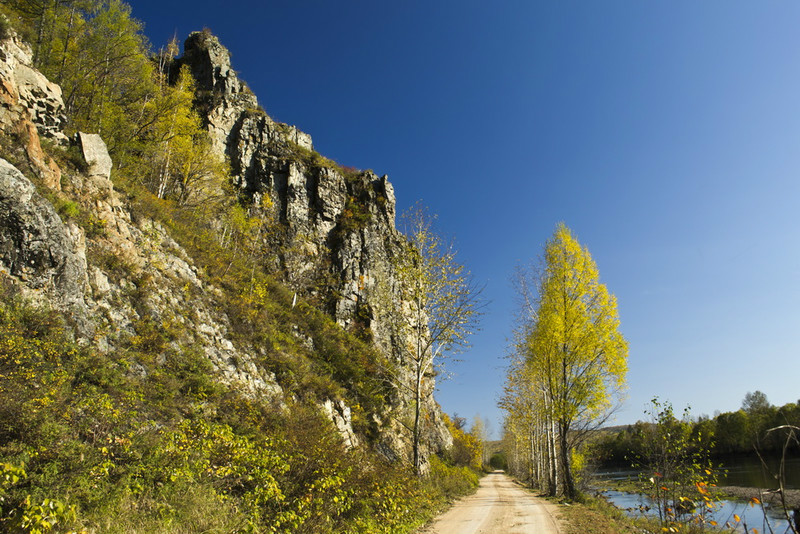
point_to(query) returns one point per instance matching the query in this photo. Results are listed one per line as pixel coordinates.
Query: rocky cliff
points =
(338, 240)
(79, 246)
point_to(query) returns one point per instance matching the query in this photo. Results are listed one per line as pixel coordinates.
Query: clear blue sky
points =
(666, 135)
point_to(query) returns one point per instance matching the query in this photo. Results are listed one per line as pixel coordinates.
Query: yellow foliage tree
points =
(176, 152)
(575, 357)
(441, 308)
(467, 450)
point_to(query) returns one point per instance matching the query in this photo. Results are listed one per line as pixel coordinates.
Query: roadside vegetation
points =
(147, 438)
(595, 516)
(568, 366)
(88, 446)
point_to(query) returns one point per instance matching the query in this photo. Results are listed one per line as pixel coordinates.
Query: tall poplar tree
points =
(575, 357)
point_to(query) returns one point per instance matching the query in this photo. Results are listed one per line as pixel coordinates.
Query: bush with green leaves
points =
(676, 472)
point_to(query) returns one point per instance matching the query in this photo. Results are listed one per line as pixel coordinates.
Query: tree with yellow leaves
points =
(575, 357)
(441, 306)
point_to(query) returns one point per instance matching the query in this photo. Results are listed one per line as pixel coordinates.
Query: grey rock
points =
(24, 91)
(337, 225)
(339, 413)
(210, 63)
(95, 154)
(35, 245)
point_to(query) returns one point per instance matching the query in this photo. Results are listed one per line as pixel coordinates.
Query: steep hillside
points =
(229, 348)
(333, 238)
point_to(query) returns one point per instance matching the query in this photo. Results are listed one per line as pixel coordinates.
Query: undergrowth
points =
(106, 450)
(596, 516)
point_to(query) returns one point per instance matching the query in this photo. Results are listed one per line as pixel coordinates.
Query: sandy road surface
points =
(499, 507)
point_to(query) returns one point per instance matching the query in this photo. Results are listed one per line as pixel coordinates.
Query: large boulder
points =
(36, 247)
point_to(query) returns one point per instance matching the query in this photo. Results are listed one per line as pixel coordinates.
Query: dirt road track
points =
(499, 507)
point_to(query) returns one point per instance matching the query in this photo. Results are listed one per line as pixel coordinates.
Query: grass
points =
(595, 516)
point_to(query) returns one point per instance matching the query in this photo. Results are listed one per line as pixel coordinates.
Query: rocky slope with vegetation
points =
(197, 318)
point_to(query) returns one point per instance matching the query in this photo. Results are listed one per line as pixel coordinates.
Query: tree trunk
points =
(417, 413)
(569, 482)
(551, 454)
(67, 39)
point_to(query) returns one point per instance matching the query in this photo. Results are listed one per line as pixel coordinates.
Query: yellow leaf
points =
(713, 523)
(736, 518)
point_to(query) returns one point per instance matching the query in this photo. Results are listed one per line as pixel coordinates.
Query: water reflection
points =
(736, 471)
(749, 472)
(723, 512)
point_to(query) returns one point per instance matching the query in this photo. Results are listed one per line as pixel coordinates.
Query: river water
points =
(736, 472)
(723, 513)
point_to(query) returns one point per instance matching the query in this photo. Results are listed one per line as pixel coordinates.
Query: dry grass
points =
(595, 517)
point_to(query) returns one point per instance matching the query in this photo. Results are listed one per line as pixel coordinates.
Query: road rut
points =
(498, 507)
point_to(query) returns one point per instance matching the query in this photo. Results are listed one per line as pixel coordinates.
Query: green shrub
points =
(5, 27)
(449, 481)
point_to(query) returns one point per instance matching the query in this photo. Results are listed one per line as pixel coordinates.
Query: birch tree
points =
(441, 306)
(575, 358)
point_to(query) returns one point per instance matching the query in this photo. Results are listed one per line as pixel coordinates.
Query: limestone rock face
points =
(145, 259)
(335, 224)
(36, 246)
(339, 413)
(24, 91)
(331, 237)
(30, 106)
(136, 273)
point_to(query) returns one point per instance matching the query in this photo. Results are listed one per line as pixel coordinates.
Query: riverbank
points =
(596, 516)
(792, 496)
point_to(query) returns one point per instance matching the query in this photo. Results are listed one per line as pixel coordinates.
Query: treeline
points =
(744, 431)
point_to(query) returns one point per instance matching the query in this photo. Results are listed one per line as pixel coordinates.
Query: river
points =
(736, 471)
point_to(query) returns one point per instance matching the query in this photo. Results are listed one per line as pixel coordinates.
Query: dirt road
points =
(499, 507)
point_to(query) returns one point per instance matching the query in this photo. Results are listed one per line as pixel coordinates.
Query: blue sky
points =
(666, 135)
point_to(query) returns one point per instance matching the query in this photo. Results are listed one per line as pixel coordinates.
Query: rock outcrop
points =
(37, 248)
(337, 224)
(30, 106)
(26, 93)
(45, 256)
(115, 272)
